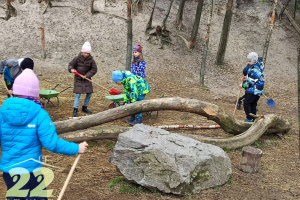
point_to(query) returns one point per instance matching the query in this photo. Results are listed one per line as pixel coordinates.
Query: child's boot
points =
(131, 119)
(75, 112)
(85, 110)
(137, 120)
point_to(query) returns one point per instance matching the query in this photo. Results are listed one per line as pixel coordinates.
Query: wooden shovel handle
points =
(237, 100)
(76, 73)
(97, 84)
(68, 178)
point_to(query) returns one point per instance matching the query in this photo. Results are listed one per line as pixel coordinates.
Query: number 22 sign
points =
(21, 176)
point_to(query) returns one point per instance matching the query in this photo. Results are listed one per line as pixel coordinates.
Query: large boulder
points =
(171, 163)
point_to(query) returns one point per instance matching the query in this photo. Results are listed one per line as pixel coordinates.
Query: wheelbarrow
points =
(48, 94)
(118, 100)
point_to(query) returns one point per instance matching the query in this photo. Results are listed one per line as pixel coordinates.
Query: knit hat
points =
(137, 48)
(27, 84)
(117, 76)
(26, 63)
(86, 48)
(252, 57)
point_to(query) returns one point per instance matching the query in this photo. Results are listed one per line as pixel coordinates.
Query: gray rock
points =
(171, 163)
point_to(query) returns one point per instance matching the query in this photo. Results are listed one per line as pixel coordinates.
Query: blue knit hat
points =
(117, 76)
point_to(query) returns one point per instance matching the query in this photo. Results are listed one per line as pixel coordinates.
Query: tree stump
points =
(250, 159)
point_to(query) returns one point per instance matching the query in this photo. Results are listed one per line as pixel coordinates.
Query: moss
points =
(202, 176)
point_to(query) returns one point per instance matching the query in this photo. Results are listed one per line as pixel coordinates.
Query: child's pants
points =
(30, 185)
(140, 98)
(250, 104)
(86, 100)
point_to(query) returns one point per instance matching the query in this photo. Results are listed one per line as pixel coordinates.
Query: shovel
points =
(269, 101)
(111, 92)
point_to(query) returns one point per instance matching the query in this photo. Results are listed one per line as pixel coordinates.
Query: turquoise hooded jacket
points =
(24, 128)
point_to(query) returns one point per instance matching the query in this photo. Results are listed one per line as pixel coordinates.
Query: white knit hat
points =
(252, 57)
(86, 48)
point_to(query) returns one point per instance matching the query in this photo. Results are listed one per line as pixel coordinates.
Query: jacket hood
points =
(19, 111)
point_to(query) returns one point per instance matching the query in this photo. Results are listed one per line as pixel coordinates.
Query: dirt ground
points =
(174, 71)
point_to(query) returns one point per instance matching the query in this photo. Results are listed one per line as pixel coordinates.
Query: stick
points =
(237, 100)
(265, 96)
(5, 87)
(68, 178)
(97, 84)
(43, 41)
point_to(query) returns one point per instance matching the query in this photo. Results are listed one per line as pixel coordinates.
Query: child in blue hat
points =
(135, 89)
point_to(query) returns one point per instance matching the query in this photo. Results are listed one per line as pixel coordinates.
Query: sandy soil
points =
(174, 71)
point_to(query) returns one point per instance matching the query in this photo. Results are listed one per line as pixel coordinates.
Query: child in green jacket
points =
(135, 89)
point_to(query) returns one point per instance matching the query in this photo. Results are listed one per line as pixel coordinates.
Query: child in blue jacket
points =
(245, 71)
(135, 89)
(253, 84)
(24, 129)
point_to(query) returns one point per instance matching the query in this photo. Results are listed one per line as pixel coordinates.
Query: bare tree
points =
(266, 46)
(283, 9)
(299, 96)
(149, 24)
(180, 14)
(167, 15)
(10, 10)
(205, 49)
(196, 24)
(293, 22)
(224, 34)
(129, 36)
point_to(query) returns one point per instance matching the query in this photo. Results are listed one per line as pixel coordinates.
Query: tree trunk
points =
(295, 9)
(283, 9)
(11, 11)
(205, 49)
(43, 41)
(129, 36)
(211, 111)
(266, 46)
(196, 24)
(149, 24)
(164, 26)
(295, 25)
(249, 136)
(250, 159)
(180, 14)
(224, 34)
(298, 67)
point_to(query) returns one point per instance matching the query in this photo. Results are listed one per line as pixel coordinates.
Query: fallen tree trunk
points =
(246, 138)
(227, 122)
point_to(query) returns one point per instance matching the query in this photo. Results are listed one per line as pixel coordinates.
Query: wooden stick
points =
(237, 100)
(68, 178)
(43, 41)
(97, 84)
